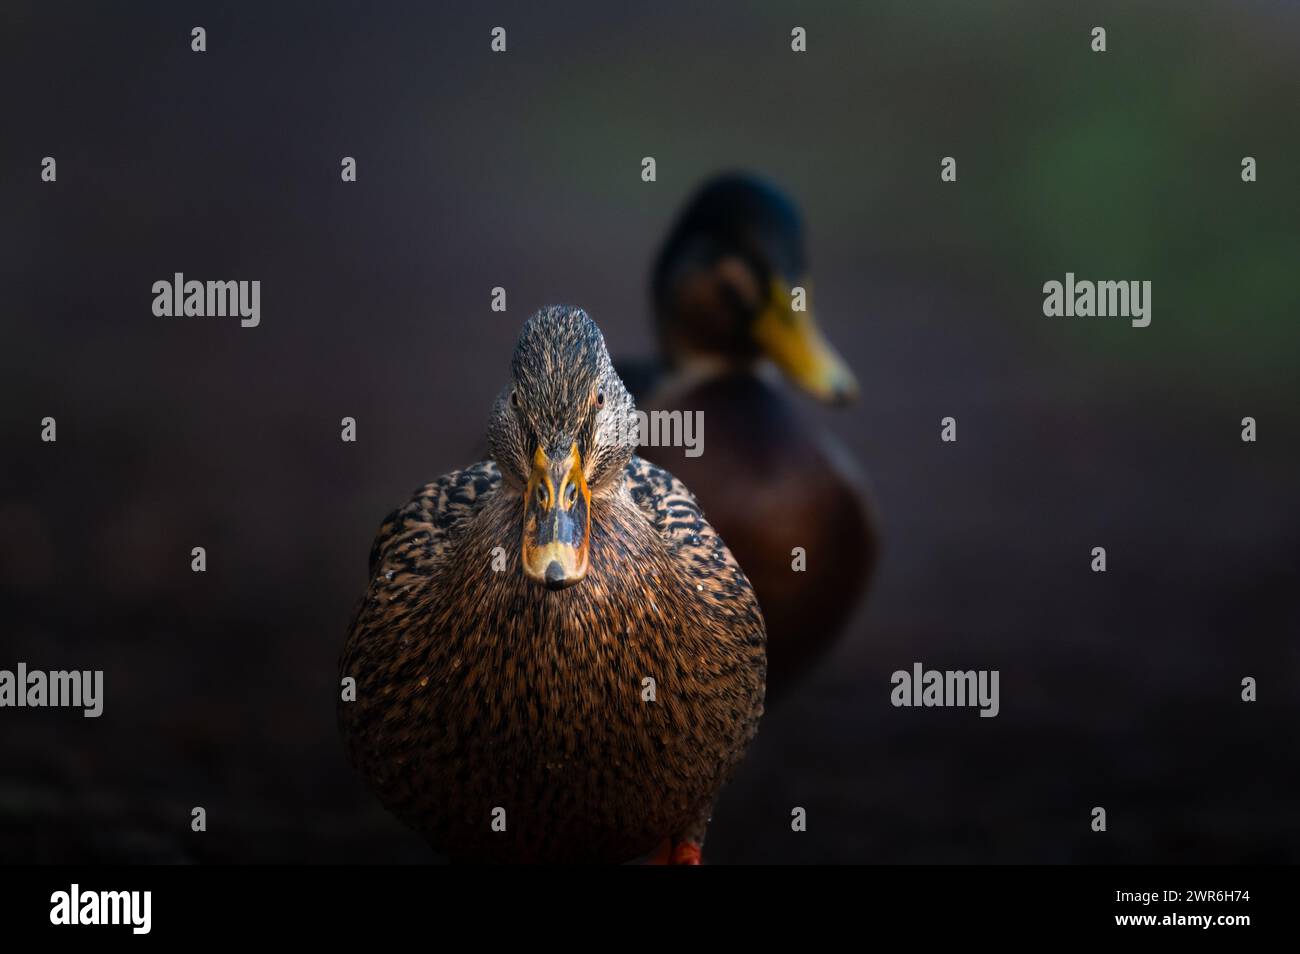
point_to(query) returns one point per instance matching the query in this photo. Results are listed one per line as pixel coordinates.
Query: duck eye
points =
(600, 398)
(514, 398)
(541, 495)
(572, 493)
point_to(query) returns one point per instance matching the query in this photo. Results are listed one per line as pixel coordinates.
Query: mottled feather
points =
(602, 718)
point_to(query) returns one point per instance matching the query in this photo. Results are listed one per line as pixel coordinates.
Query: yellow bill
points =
(794, 343)
(557, 520)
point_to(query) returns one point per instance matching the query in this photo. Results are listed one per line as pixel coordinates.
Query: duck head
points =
(560, 436)
(723, 288)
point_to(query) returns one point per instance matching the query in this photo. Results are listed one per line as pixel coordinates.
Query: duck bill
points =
(794, 343)
(557, 520)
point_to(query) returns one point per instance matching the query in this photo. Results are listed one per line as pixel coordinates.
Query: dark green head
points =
(724, 287)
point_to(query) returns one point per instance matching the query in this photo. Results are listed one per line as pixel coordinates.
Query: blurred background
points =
(523, 170)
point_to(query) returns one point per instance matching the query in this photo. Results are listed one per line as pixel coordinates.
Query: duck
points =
(557, 659)
(786, 496)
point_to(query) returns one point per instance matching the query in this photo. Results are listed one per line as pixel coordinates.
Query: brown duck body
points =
(731, 289)
(768, 482)
(479, 690)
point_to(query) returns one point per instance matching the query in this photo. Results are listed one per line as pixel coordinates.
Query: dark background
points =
(523, 170)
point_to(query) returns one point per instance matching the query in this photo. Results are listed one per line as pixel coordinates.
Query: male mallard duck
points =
(769, 482)
(517, 612)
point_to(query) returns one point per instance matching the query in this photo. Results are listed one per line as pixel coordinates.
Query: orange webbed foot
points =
(687, 853)
(673, 852)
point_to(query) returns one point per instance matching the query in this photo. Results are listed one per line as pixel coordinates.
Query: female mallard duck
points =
(769, 482)
(558, 659)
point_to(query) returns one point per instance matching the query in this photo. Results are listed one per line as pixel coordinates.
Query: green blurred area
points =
(1117, 165)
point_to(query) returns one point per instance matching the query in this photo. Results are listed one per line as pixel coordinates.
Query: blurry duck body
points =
(557, 659)
(779, 490)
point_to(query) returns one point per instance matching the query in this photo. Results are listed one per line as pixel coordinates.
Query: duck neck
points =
(689, 369)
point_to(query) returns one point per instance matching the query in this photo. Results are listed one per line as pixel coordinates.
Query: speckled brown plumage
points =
(478, 688)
